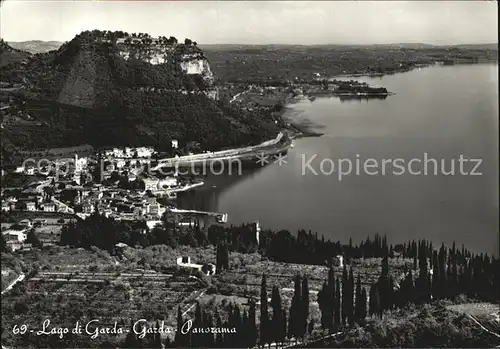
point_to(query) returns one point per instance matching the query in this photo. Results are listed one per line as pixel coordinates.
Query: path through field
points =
(13, 283)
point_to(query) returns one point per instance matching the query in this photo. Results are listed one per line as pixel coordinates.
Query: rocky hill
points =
(115, 88)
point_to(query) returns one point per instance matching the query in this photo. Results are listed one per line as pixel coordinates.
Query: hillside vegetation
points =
(276, 63)
(432, 326)
(112, 88)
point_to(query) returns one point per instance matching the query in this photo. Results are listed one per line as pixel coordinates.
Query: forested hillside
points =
(112, 88)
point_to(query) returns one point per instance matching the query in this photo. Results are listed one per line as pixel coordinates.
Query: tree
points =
(374, 300)
(337, 313)
(350, 298)
(277, 318)
(252, 326)
(284, 329)
(131, 340)
(325, 307)
(358, 314)
(345, 296)
(296, 318)
(363, 306)
(33, 239)
(222, 257)
(180, 338)
(219, 338)
(264, 315)
(154, 339)
(305, 305)
(243, 338)
(196, 338)
(384, 286)
(3, 244)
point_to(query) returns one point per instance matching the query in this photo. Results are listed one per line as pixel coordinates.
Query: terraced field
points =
(66, 298)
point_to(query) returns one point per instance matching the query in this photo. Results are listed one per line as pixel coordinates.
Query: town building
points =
(185, 262)
(49, 207)
(17, 235)
(30, 206)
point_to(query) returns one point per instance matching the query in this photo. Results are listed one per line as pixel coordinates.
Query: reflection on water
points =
(206, 198)
(360, 99)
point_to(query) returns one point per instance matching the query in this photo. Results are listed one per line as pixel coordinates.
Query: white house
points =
(26, 222)
(6, 206)
(144, 152)
(18, 235)
(152, 224)
(49, 207)
(175, 144)
(151, 183)
(168, 182)
(185, 262)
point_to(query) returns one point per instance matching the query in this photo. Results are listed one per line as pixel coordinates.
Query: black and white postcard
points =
(249, 174)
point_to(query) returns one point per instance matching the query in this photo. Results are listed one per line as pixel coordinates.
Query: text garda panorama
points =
(140, 328)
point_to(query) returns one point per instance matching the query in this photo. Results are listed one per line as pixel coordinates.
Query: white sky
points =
(255, 22)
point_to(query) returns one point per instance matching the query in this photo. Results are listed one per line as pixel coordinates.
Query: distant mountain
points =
(10, 56)
(113, 88)
(36, 46)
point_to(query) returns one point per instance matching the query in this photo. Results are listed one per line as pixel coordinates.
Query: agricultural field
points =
(78, 285)
(243, 281)
(50, 233)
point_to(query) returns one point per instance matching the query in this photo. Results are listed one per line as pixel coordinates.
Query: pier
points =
(219, 217)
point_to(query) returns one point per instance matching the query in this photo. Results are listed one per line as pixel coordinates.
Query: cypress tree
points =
(296, 308)
(252, 325)
(264, 316)
(436, 279)
(305, 305)
(325, 307)
(374, 301)
(277, 318)
(219, 338)
(364, 299)
(155, 339)
(333, 302)
(350, 299)
(208, 338)
(237, 338)
(245, 330)
(345, 288)
(180, 339)
(131, 340)
(337, 313)
(196, 338)
(284, 329)
(358, 313)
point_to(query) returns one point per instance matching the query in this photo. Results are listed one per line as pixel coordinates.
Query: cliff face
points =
(96, 61)
(154, 51)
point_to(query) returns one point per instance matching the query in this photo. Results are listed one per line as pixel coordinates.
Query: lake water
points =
(445, 112)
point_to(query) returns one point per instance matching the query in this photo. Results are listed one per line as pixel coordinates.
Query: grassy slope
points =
(431, 326)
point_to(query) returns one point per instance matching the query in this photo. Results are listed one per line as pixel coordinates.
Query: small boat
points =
(312, 98)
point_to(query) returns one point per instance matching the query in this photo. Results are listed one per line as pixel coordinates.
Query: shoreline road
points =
(275, 146)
